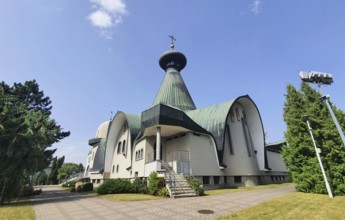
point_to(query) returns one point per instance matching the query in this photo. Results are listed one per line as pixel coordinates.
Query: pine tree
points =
(299, 155)
(26, 133)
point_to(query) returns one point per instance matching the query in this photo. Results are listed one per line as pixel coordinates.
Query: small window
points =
(119, 147)
(225, 180)
(136, 155)
(117, 168)
(238, 179)
(113, 169)
(141, 153)
(216, 180)
(98, 180)
(136, 174)
(206, 180)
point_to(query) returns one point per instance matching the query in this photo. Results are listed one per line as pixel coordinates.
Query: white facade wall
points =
(138, 167)
(276, 162)
(203, 156)
(240, 163)
(121, 156)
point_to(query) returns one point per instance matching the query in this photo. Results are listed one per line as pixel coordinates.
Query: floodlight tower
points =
(323, 79)
(318, 151)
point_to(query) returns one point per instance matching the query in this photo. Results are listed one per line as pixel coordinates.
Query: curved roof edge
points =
(134, 122)
(216, 124)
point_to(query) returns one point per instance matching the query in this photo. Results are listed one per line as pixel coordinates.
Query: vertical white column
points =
(158, 144)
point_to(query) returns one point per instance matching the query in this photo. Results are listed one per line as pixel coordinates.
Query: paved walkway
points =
(55, 203)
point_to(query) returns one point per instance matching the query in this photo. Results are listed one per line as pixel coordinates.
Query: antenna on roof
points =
(172, 46)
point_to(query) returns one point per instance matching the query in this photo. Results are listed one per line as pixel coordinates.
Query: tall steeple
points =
(173, 90)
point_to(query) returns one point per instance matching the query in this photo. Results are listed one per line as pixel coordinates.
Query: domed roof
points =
(173, 59)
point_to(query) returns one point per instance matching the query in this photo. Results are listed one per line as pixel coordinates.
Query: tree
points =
(26, 133)
(67, 169)
(299, 155)
(57, 164)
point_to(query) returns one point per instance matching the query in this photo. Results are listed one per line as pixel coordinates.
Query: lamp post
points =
(323, 79)
(318, 151)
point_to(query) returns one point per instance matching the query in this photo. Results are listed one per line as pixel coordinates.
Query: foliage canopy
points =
(299, 155)
(26, 133)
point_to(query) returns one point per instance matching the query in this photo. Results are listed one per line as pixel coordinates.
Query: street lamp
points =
(323, 79)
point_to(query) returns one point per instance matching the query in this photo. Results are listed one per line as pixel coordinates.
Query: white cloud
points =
(107, 14)
(112, 6)
(101, 19)
(255, 6)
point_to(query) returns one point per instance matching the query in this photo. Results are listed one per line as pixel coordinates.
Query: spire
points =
(173, 90)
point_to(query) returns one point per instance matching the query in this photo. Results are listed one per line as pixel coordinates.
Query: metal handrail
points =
(172, 178)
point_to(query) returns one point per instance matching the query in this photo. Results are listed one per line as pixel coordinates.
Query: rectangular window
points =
(117, 168)
(216, 180)
(119, 147)
(245, 134)
(98, 180)
(228, 134)
(225, 180)
(113, 169)
(238, 179)
(124, 147)
(206, 180)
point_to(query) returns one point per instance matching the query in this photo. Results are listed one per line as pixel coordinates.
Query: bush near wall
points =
(115, 186)
(196, 185)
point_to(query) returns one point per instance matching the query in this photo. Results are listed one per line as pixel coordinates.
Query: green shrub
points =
(140, 186)
(29, 190)
(164, 192)
(87, 187)
(72, 189)
(196, 185)
(153, 183)
(115, 186)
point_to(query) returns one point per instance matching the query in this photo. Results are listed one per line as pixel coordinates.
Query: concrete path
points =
(55, 203)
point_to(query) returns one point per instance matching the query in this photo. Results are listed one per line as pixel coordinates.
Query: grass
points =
(17, 210)
(295, 206)
(131, 197)
(243, 188)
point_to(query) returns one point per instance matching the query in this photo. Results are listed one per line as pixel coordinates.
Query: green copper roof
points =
(213, 119)
(173, 90)
(134, 124)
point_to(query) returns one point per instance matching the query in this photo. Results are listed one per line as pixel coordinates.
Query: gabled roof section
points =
(173, 90)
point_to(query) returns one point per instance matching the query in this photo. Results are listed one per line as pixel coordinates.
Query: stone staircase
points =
(177, 184)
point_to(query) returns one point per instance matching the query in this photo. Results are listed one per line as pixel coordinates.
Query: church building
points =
(222, 144)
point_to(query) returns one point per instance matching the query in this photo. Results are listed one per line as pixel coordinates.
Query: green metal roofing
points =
(174, 92)
(134, 124)
(213, 119)
(167, 115)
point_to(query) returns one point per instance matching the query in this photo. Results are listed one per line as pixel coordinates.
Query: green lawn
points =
(17, 210)
(295, 206)
(243, 188)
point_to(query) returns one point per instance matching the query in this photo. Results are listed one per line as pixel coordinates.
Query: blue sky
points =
(96, 56)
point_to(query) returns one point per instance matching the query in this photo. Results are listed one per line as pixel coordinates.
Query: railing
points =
(70, 177)
(172, 181)
(195, 179)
